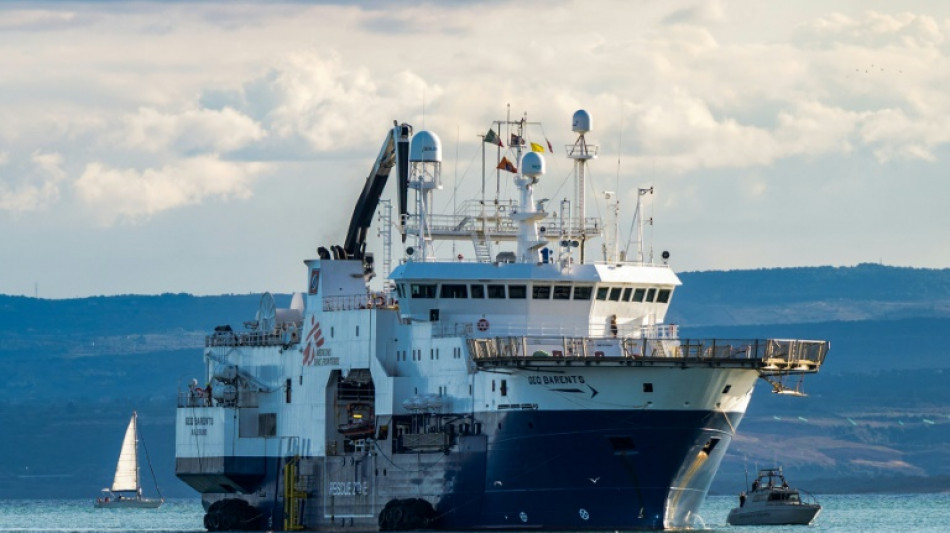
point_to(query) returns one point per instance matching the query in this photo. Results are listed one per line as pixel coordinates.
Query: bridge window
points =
(518, 292)
(450, 290)
(582, 293)
(663, 296)
(562, 292)
(627, 293)
(638, 295)
(651, 293)
(541, 292)
(496, 291)
(423, 290)
(478, 291)
(602, 293)
(615, 294)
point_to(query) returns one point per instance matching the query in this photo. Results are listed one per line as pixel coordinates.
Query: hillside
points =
(811, 294)
(877, 417)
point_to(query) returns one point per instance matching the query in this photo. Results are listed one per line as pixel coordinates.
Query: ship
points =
(501, 372)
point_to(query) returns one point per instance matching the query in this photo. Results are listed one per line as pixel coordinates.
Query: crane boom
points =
(394, 153)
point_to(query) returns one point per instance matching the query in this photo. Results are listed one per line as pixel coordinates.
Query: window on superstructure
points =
(663, 296)
(399, 290)
(627, 293)
(562, 292)
(651, 293)
(496, 291)
(582, 293)
(451, 290)
(541, 292)
(478, 291)
(638, 295)
(647, 387)
(423, 290)
(602, 293)
(615, 294)
(517, 292)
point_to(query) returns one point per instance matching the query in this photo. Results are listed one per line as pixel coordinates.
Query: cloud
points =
(190, 132)
(873, 30)
(129, 194)
(36, 19)
(38, 185)
(314, 98)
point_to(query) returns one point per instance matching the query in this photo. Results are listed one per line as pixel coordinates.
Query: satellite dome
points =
(582, 122)
(532, 164)
(425, 147)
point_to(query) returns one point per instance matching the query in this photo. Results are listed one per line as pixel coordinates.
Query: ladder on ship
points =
(294, 498)
(482, 247)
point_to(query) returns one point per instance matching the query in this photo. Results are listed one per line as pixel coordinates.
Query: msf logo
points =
(314, 342)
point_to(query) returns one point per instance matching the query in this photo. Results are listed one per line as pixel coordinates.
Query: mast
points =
(425, 174)
(581, 153)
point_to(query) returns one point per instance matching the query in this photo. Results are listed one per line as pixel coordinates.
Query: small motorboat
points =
(770, 501)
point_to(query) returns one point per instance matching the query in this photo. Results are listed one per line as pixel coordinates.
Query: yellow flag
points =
(535, 147)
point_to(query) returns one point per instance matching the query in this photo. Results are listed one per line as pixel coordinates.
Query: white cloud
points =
(129, 194)
(331, 105)
(37, 188)
(35, 19)
(189, 132)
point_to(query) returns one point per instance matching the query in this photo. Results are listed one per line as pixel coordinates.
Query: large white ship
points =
(520, 384)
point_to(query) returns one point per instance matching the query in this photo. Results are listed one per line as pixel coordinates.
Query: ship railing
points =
(352, 302)
(287, 334)
(199, 398)
(772, 355)
(627, 332)
(497, 225)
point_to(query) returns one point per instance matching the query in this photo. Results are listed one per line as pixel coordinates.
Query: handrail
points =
(777, 355)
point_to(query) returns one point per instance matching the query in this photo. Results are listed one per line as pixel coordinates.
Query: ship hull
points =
(554, 470)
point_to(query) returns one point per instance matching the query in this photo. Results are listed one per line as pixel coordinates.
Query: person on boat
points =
(613, 325)
(208, 394)
(742, 499)
(755, 485)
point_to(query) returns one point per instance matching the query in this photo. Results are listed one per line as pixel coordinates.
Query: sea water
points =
(906, 513)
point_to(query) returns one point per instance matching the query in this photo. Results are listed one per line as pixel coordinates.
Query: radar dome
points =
(425, 147)
(582, 122)
(532, 164)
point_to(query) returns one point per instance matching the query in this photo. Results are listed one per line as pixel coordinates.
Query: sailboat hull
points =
(131, 503)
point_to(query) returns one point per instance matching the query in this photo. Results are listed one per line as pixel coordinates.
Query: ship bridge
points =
(497, 298)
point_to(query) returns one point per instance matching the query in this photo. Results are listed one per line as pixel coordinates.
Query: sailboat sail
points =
(127, 470)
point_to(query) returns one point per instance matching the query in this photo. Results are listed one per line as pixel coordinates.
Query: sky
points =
(211, 147)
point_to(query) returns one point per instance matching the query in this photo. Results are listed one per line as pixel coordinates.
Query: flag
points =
(535, 147)
(550, 149)
(504, 164)
(492, 138)
(516, 140)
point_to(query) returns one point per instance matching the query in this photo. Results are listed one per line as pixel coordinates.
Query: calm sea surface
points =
(910, 513)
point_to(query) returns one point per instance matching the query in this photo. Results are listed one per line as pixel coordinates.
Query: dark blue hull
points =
(580, 470)
(554, 470)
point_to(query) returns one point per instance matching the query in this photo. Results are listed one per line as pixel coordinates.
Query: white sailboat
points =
(126, 490)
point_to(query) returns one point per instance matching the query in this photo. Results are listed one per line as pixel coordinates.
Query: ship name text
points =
(555, 380)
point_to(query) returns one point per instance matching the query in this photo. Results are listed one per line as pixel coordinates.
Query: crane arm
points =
(394, 153)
